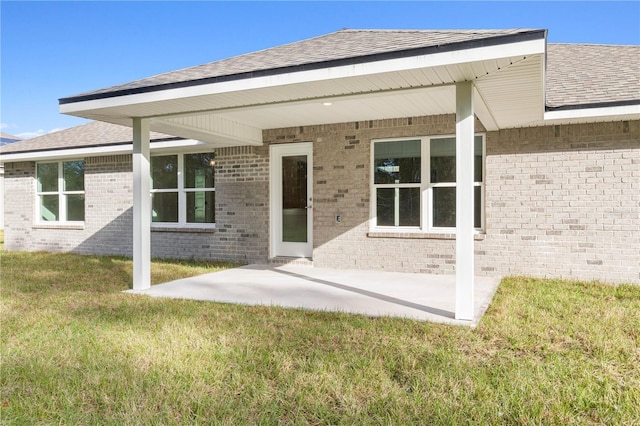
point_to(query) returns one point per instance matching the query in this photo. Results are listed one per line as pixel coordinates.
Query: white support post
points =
(464, 201)
(141, 206)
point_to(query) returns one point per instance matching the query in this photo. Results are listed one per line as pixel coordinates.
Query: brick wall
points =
(561, 201)
(241, 212)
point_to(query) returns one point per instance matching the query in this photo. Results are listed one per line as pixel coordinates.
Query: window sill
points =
(184, 230)
(420, 235)
(58, 226)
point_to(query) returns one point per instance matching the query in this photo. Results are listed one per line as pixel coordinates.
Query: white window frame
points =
(182, 195)
(62, 196)
(426, 189)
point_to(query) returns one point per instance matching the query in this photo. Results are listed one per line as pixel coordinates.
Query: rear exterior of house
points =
(558, 197)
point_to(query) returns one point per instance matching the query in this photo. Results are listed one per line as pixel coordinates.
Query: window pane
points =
(397, 162)
(443, 159)
(75, 207)
(49, 210)
(199, 173)
(444, 207)
(477, 170)
(164, 172)
(398, 206)
(201, 207)
(477, 207)
(164, 207)
(47, 177)
(73, 174)
(385, 206)
(294, 199)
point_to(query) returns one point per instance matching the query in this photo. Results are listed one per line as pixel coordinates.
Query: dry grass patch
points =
(75, 350)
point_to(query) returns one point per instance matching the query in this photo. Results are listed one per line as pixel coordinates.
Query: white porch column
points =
(141, 206)
(464, 201)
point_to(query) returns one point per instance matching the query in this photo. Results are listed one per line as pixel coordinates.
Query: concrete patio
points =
(417, 296)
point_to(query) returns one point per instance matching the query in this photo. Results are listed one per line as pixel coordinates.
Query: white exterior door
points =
(292, 200)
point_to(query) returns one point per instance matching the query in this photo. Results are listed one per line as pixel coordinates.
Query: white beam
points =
(141, 205)
(209, 128)
(464, 201)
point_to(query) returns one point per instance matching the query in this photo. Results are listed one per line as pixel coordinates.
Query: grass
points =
(75, 350)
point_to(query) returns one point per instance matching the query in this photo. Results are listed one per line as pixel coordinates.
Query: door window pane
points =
(49, 208)
(75, 207)
(198, 170)
(165, 207)
(164, 172)
(294, 199)
(397, 162)
(73, 174)
(201, 207)
(47, 177)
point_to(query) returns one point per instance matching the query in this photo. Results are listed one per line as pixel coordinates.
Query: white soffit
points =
(249, 105)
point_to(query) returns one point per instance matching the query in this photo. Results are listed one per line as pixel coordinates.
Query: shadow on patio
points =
(373, 293)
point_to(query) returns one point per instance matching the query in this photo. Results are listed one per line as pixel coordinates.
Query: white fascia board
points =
(524, 48)
(189, 144)
(586, 113)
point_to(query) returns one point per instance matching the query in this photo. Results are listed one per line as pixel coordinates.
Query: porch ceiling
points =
(509, 82)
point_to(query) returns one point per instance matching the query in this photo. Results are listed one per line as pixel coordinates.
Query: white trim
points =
(182, 191)
(276, 152)
(465, 156)
(61, 193)
(426, 188)
(523, 48)
(583, 113)
(141, 205)
(98, 151)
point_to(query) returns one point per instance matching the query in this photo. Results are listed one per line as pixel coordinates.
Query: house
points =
(488, 152)
(4, 140)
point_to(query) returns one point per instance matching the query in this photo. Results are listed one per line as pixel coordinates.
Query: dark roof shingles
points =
(335, 46)
(95, 133)
(583, 74)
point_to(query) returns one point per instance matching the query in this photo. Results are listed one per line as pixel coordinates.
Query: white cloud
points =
(3, 126)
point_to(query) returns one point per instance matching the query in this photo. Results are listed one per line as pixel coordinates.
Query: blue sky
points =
(53, 49)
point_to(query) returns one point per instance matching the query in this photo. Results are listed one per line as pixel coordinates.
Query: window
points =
(60, 191)
(414, 184)
(183, 190)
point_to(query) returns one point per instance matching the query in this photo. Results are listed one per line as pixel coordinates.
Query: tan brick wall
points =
(241, 212)
(561, 201)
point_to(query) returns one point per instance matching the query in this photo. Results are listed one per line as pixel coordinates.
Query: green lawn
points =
(75, 350)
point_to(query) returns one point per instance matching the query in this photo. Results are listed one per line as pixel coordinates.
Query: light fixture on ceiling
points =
(327, 103)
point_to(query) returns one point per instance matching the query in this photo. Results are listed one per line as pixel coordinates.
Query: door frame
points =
(276, 152)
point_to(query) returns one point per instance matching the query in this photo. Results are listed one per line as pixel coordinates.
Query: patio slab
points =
(417, 296)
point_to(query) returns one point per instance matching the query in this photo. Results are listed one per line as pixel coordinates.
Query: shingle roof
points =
(6, 138)
(95, 133)
(583, 74)
(338, 46)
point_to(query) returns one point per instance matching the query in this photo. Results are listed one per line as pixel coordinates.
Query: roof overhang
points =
(596, 113)
(170, 146)
(508, 79)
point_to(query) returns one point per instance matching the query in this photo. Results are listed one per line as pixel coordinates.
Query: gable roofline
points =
(572, 107)
(521, 36)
